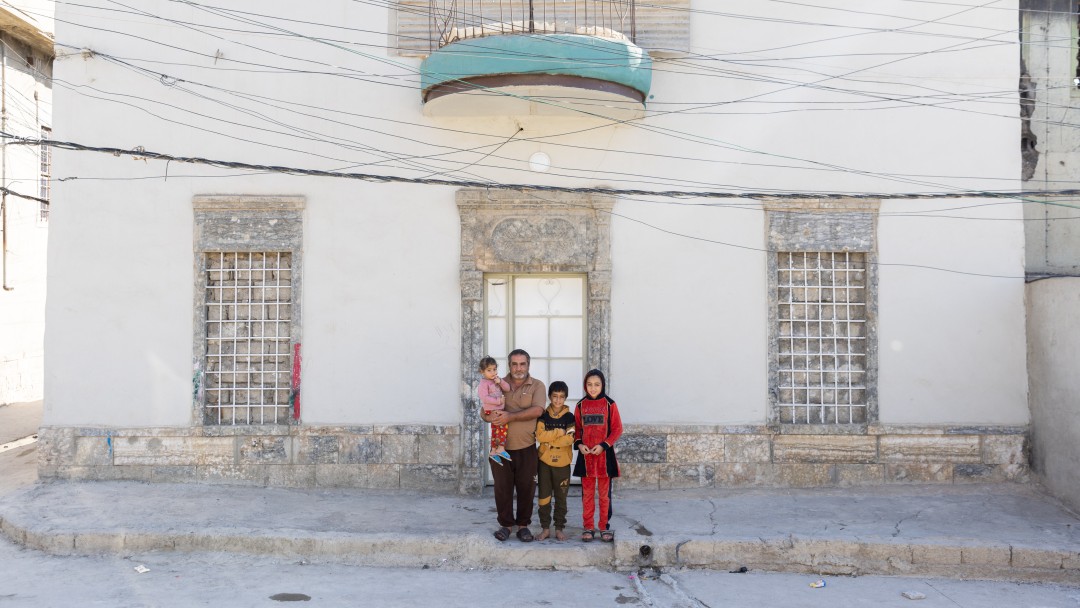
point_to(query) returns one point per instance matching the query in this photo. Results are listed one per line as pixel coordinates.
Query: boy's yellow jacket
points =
(555, 432)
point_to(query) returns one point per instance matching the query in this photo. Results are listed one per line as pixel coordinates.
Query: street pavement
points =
(18, 420)
(246, 546)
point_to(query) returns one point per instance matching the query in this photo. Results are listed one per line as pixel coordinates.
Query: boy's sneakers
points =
(495, 457)
(504, 455)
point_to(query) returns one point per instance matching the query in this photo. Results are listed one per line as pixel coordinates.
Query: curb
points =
(381, 550)
(855, 558)
(783, 554)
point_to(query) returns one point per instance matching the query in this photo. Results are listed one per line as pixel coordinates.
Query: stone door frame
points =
(526, 232)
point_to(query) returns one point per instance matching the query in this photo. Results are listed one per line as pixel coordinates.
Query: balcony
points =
(535, 58)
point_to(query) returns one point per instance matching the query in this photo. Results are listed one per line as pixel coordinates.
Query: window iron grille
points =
(822, 341)
(45, 179)
(248, 372)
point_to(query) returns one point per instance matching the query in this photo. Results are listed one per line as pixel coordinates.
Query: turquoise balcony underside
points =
(537, 68)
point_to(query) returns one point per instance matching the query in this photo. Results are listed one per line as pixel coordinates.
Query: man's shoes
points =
(524, 535)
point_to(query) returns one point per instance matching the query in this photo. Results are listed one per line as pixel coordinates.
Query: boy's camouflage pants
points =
(554, 483)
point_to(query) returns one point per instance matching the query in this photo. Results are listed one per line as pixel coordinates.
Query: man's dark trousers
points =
(519, 474)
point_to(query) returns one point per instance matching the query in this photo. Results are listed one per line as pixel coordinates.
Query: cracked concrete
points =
(992, 532)
(896, 531)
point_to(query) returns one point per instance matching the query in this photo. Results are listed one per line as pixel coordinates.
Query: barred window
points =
(45, 180)
(821, 312)
(248, 337)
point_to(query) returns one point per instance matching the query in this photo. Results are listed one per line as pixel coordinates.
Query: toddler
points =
(491, 392)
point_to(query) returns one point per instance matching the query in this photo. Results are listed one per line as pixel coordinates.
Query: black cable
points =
(801, 160)
(67, 145)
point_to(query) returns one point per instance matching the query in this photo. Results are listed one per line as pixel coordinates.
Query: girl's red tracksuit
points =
(596, 422)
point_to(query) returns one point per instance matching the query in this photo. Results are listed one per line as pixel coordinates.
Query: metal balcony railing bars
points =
(454, 20)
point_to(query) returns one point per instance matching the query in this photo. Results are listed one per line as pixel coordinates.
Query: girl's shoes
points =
(504, 455)
(495, 457)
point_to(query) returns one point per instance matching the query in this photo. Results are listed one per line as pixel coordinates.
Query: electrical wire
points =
(669, 132)
(147, 154)
(527, 190)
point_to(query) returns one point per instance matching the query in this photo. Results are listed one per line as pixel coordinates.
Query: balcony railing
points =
(454, 20)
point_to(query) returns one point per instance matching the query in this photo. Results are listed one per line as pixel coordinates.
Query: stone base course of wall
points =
(428, 457)
(408, 457)
(695, 456)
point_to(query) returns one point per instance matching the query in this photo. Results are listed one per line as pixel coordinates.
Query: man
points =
(524, 404)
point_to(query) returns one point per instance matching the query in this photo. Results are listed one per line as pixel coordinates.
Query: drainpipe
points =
(3, 156)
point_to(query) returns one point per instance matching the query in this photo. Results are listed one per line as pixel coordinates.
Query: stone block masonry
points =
(431, 457)
(379, 456)
(695, 456)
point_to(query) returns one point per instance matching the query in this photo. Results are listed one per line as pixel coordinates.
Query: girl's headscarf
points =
(603, 384)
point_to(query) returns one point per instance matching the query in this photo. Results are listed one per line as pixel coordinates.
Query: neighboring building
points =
(792, 340)
(26, 56)
(1050, 88)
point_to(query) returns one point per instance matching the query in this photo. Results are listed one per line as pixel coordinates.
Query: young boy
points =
(555, 432)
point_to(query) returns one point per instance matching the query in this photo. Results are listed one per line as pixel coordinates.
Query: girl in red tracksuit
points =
(597, 426)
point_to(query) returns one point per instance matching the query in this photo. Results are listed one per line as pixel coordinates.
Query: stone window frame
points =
(812, 225)
(527, 232)
(243, 223)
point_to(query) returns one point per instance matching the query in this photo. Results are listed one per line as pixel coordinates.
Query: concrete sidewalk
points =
(18, 420)
(1008, 532)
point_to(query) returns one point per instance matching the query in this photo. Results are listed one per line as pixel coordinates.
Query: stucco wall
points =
(1053, 242)
(1053, 350)
(22, 301)
(951, 344)
(381, 295)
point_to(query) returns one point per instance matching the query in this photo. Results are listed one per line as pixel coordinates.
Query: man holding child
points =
(524, 404)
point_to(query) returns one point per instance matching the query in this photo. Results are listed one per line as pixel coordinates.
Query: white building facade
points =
(1050, 99)
(26, 55)
(257, 323)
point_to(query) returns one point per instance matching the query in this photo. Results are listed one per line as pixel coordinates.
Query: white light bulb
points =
(540, 162)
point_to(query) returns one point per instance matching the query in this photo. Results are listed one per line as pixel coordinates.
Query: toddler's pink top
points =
(490, 391)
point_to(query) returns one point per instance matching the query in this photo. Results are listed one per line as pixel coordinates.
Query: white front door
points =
(545, 316)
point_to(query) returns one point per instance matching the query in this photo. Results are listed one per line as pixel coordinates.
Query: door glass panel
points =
(532, 335)
(539, 369)
(566, 337)
(548, 296)
(567, 298)
(569, 371)
(496, 297)
(496, 338)
(528, 299)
